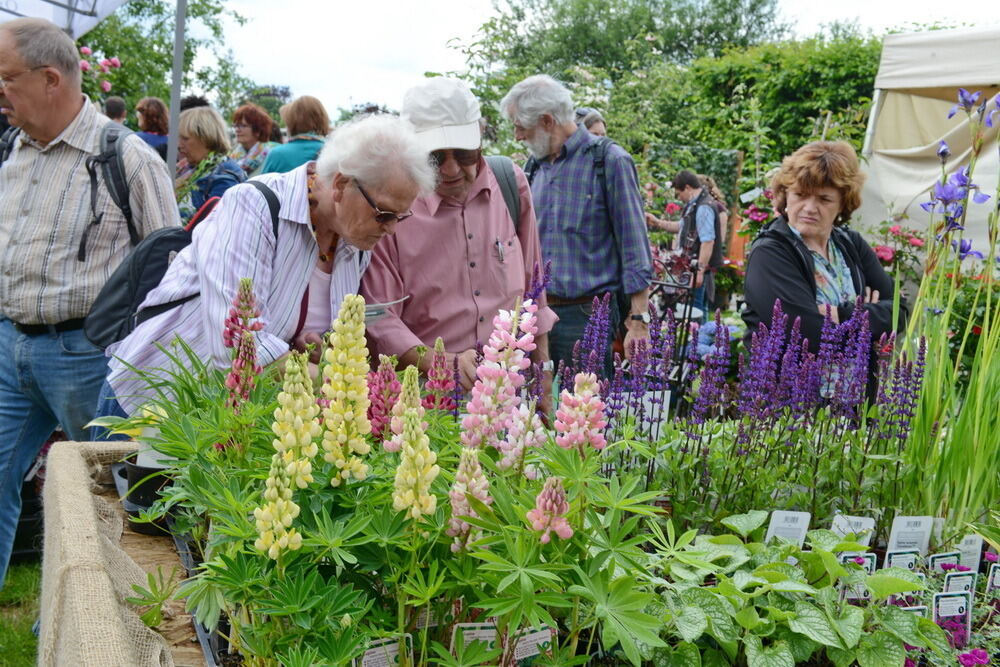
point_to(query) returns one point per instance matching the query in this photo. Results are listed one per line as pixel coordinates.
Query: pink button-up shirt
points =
(459, 262)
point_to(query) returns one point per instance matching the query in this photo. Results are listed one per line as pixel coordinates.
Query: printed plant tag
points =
(971, 548)
(957, 582)
(919, 610)
(935, 561)
(471, 632)
(904, 558)
(911, 532)
(859, 591)
(993, 582)
(861, 527)
(385, 652)
(789, 526)
(892, 599)
(531, 643)
(954, 606)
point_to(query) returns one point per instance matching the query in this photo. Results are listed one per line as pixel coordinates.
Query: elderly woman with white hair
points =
(332, 212)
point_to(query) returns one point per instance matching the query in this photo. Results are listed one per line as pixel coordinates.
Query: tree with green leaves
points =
(141, 35)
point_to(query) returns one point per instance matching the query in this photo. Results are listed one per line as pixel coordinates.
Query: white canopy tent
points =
(77, 17)
(917, 84)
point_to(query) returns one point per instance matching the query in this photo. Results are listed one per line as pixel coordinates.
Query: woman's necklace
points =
(329, 254)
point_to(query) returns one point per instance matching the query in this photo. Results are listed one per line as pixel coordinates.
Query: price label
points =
(954, 606)
(385, 652)
(957, 582)
(993, 583)
(789, 526)
(472, 632)
(904, 558)
(911, 532)
(859, 591)
(935, 561)
(531, 643)
(861, 527)
(971, 548)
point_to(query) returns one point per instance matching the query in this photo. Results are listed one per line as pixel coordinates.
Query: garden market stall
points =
(914, 90)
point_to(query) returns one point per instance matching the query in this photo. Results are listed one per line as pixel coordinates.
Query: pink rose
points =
(884, 253)
(916, 241)
(895, 230)
(106, 86)
(85, 50)
(84, 66)
(115, 62)
(105, 69)
(105, 63)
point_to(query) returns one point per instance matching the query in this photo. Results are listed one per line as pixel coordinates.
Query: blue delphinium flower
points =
(964, 249)
(965, 101)
(991, 115)
(943, 151)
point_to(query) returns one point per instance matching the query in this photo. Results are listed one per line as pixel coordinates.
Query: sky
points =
(347, 52)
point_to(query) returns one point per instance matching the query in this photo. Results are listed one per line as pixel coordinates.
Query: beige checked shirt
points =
(45, 208)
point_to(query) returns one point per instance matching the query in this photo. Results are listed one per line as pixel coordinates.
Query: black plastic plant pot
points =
(148, 491)
(144, 483)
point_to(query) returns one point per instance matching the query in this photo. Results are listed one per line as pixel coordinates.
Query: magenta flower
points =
(859, 560)
(440, 381)
(991, 557)
(948, 566)
(976, 656)
(106, 86)
(115, 62)
(383, 391)
(86, 50)
(84, 65)
(580, 417)
(963, 568)
(884, 253)
(237, 333)
(550, 511)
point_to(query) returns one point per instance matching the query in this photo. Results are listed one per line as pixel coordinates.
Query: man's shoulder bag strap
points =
(112, 166)
(7, 142)
(503, 169)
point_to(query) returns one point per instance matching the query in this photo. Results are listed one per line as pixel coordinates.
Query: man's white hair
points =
(540, 94)
(373, 149)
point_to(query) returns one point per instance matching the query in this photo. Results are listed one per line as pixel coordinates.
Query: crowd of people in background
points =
(403, 209)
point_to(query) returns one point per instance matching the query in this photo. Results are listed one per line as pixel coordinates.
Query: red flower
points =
(884, 253)
(916, 241)
(895, 230)
(976, 329)
(671, 208)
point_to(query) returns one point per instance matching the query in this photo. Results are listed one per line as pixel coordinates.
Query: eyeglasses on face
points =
(464, 157)
(7, 80)
(382, 217)
(241, 126)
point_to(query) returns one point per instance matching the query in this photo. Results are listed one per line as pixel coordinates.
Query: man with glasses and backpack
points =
(77, 192)
(468, 251)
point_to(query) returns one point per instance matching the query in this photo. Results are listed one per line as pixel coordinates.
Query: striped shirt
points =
(45, 208)
(595, 246)
(236, 241)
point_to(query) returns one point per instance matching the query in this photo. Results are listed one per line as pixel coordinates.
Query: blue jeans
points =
(107, 406)
(45, 381)
(570, 328)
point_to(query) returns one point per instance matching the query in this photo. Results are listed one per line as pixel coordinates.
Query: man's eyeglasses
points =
(464, 157)
(382, 217)
(7, 80)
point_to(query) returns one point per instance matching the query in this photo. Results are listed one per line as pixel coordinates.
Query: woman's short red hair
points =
(258, 120)
(821, 164)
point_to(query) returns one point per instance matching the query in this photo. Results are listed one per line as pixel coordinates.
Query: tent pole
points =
(175, 87)
(866, 149)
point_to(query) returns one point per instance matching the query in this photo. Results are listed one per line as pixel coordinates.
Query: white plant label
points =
(951, 605)
(859, 591)
(957, 582)
(904, 558)
(789, 526)
(994, 581)
(385, 652)
(471, 632)
(918, 610)
(935, 561)
(532, 642)
(861, 527)
(971, 548)
(911, 532)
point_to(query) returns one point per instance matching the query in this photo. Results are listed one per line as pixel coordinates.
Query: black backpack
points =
(112, 166)
(115, 313)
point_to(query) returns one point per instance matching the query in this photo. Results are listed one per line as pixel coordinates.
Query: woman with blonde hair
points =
(307, 124)
(203, 143)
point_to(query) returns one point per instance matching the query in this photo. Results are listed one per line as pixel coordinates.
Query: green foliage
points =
(158, 590)
(18, 612)
(141, 34)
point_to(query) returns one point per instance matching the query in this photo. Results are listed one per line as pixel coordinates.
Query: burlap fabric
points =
(86, 576)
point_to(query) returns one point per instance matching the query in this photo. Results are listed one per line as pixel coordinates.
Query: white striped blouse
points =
(236, 241)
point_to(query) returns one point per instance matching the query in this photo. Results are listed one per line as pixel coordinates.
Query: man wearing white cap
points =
(461, 257)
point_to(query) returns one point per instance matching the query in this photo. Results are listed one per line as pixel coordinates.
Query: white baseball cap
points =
(444, 114)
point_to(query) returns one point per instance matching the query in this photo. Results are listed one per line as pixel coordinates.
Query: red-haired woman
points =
(253, 131)
(153, 123)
